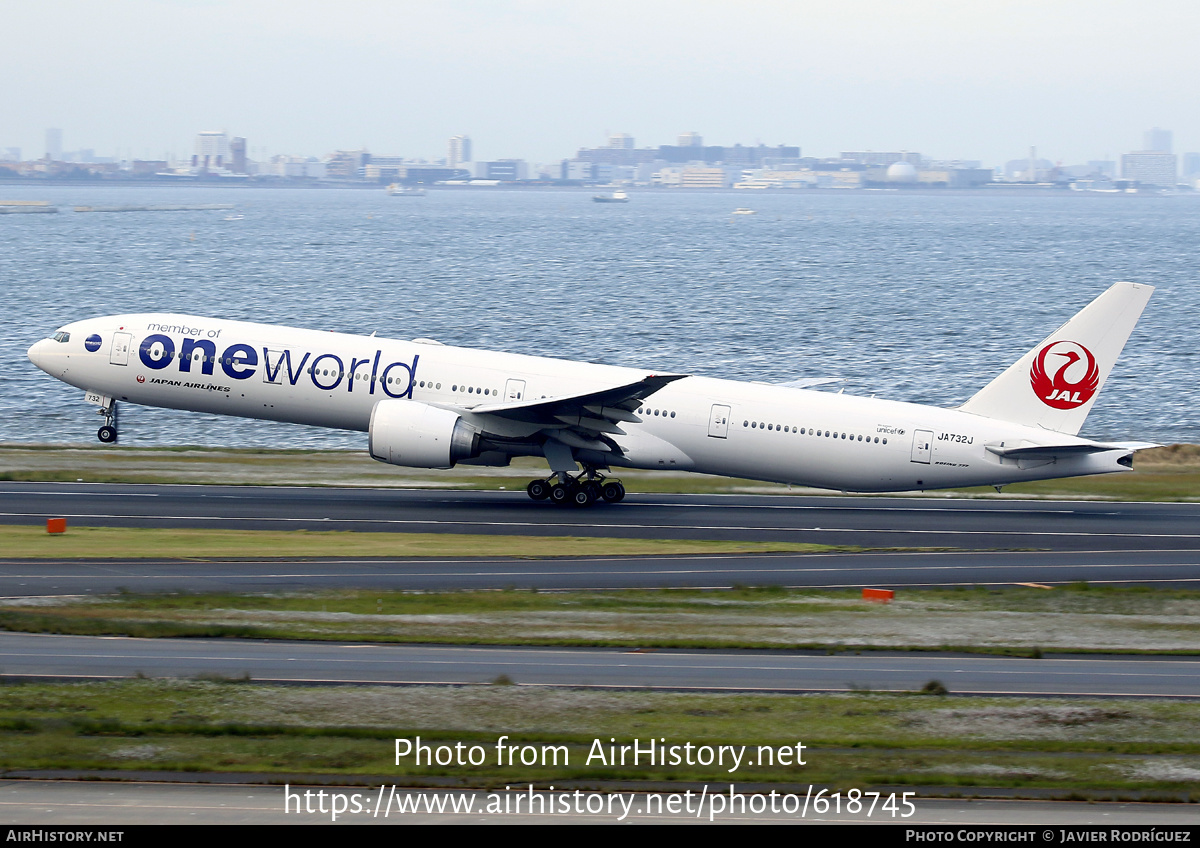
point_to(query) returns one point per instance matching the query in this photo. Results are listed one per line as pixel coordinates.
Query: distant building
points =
(459, 151)
(954, 177)
(421, 173)
(616, 155)
(295, 167)
(1028, 170)
(1158, 140)
(690, 139)
(237, 152)
(704, 178)
(759, 156)
(345, 164)
(772, 178)
(54, 148)
(882, 159)
(952, 164)
(577, 169)
(1191, 164)
(148, 167)
(1150, 167)
(506, 170)
(621, 141)
(835, 174)
(211, 151)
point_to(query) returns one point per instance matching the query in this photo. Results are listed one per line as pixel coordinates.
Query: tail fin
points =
(1055, 384)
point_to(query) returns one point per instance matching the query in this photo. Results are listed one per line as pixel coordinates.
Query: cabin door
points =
(922, 450)
(718, 422)
(120, 348)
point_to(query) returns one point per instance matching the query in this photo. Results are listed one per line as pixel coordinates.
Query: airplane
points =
(428, 405)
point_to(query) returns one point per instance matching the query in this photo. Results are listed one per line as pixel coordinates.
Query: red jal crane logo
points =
(1053, 369)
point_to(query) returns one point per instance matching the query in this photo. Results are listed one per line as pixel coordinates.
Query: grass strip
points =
(852, 740)
(18, 542)
(1006, 621)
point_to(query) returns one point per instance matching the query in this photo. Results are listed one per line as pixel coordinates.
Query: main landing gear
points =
(582, 490)
(108, 431)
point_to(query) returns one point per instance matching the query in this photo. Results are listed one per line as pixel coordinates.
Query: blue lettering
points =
(375, 370)
(316, 372)
(273, 373)
(237, 357)
(208, 351)
(149, 342)
(354, 363)
(411, 371)
(240, 361)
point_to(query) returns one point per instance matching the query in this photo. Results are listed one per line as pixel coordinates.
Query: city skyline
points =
(457, 150)
(538, 80)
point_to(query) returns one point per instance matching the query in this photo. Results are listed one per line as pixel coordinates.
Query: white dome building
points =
(901, 172)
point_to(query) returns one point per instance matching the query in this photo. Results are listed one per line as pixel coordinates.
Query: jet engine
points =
(407, 432)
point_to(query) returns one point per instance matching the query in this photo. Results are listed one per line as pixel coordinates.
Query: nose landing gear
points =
(108, 431)
(581, 490)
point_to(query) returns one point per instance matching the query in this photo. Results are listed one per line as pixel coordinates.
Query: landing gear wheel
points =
(593, 490)
(582, 496)
(107, 434)
(539, 490)
(613, 492)
(560, 494)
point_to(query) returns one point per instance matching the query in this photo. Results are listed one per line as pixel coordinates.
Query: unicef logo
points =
(92, 342)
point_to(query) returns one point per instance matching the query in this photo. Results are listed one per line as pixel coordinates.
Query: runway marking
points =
(579, 525)
(562, 661)
(624, 576)
(273, 649)
(83, 494)
(614, 663)
(834, 506)
(110, 562)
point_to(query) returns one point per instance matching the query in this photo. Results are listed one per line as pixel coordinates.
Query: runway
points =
(81, 657)
(880, 522)
(995, 542)
(33, 578)
(992, 542)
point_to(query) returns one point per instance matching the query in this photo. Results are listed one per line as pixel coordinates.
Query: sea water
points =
(922, 297)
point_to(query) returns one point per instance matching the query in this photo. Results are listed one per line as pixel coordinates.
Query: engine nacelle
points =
(408, 432)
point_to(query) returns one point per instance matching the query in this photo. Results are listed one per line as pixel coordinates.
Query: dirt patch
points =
(1068, 721)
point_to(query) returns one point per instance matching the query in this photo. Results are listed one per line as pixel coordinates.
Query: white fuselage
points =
(712, 426)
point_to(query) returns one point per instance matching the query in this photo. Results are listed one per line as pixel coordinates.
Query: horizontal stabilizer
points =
(1028, 451)
(809, 382)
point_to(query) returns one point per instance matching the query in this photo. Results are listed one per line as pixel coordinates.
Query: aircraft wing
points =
(612, 404)
(585, 420)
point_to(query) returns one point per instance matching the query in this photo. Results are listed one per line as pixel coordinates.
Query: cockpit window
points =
(60, 336)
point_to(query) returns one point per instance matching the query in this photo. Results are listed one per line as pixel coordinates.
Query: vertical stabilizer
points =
(1055, 384)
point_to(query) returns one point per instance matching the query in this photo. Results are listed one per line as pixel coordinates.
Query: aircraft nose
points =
(39, 354)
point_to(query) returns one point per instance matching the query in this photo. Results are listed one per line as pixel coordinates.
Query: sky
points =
(539, 79)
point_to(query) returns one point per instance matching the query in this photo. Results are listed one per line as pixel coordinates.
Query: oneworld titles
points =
(240, 361)
(636, 752)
